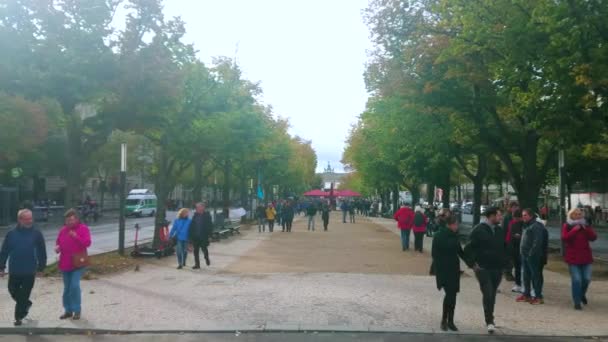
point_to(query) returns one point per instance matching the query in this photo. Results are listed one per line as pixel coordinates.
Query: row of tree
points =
(73, 87)
(488, 89)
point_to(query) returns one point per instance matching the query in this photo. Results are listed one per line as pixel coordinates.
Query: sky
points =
(309, 57)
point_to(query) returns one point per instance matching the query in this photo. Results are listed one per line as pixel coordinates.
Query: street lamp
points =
(214, 195)
(123, 181)
(250, 198)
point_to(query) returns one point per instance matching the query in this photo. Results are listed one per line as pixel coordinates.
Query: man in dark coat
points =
(288, 214)
(486, 252)
(25, 250)
(447, 252)
(200, 231)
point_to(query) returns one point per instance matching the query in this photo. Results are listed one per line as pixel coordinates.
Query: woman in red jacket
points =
(576, 235)
(419, 227)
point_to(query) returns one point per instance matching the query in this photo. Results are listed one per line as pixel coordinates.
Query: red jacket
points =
(404, 217)
(576, 243)
(422, 228)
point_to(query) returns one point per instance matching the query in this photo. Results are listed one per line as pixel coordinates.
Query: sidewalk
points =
(353, 278)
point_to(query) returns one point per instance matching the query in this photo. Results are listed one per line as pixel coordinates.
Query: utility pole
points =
(123, 183)
(562, 193)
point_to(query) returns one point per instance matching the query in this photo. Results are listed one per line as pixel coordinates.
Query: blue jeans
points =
(532, 276)
(182, 252)
(405, 239)
(71, 290)
(581, 277)
(311, 222)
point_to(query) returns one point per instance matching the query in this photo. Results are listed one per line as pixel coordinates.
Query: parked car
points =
(467, 208)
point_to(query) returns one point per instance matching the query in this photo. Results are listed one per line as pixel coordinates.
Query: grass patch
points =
(101, 264)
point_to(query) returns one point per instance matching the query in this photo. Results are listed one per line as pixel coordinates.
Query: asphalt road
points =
(104, 234)
(599, 246)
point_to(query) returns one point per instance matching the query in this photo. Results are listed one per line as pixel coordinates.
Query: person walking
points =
(531, 250)
(288, 214)
(513, 241)
(344, 208)
(72, 243)
(25, 250)
(199, 232)
(271, 214)
(486, 255)
(513, 206)
(351, 212)
(180, 234)
(447, 252)
(311, 212)
(260, 214)
(576, 236)
(405, 220)
(325, 216)
(419, 228)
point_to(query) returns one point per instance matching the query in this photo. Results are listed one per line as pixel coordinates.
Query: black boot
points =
(451, 325)
(444, 319)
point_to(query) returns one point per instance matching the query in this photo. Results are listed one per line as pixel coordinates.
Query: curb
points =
(274, 329)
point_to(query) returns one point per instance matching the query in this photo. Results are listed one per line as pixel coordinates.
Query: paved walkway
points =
(353, 278)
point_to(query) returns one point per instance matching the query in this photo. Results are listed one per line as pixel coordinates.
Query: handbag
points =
(80, 259)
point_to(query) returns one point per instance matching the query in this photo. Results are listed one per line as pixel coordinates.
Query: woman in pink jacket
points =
(74, 238)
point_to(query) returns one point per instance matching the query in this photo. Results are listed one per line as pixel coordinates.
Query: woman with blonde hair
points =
(180, 234)
(576, 234)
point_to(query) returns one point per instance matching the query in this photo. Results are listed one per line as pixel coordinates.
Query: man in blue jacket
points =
(25, 250)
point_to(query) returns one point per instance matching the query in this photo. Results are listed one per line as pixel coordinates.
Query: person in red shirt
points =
(576, 235)
(405, 220)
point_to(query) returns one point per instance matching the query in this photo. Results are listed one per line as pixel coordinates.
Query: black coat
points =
(487, 247)
(447, 252)
(201, 227)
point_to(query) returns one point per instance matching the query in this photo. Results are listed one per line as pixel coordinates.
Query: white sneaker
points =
(533, 294)
(516, 289)
(491, 328)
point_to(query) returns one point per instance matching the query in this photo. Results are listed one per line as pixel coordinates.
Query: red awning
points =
(316, 193)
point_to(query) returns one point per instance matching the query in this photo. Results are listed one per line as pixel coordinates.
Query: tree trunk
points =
(395, 198)
(487, 194)
(415, 190)
(162, 189)
(198, 181)
(74, 158)
(477, 194)
(430, 193)
(226, 188)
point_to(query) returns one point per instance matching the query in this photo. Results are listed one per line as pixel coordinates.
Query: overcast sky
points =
(308, 55)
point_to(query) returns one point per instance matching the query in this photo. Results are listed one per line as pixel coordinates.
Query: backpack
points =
(418, 219)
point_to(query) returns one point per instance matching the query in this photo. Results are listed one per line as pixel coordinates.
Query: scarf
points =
(573, 223)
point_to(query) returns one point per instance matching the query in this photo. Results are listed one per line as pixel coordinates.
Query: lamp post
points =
(214, 195)
(250, 198)
(123, 181)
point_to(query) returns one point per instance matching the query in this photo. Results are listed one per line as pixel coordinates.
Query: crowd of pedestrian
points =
(25, 250)
(496, 247)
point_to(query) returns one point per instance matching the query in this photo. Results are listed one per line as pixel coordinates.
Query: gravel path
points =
(354, 277)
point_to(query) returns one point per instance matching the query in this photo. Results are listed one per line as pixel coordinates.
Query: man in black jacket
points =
(200, 230)
(25, 250)
(533, 251)
(486, 253)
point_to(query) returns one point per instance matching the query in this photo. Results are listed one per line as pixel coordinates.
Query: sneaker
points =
(584, 300)
(536, 301)
(17, 322)
(491, 328)
(578, 307)
(196, 267)
(516, 289)
(522, 299)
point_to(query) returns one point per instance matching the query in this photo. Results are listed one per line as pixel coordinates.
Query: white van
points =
(140, 202)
